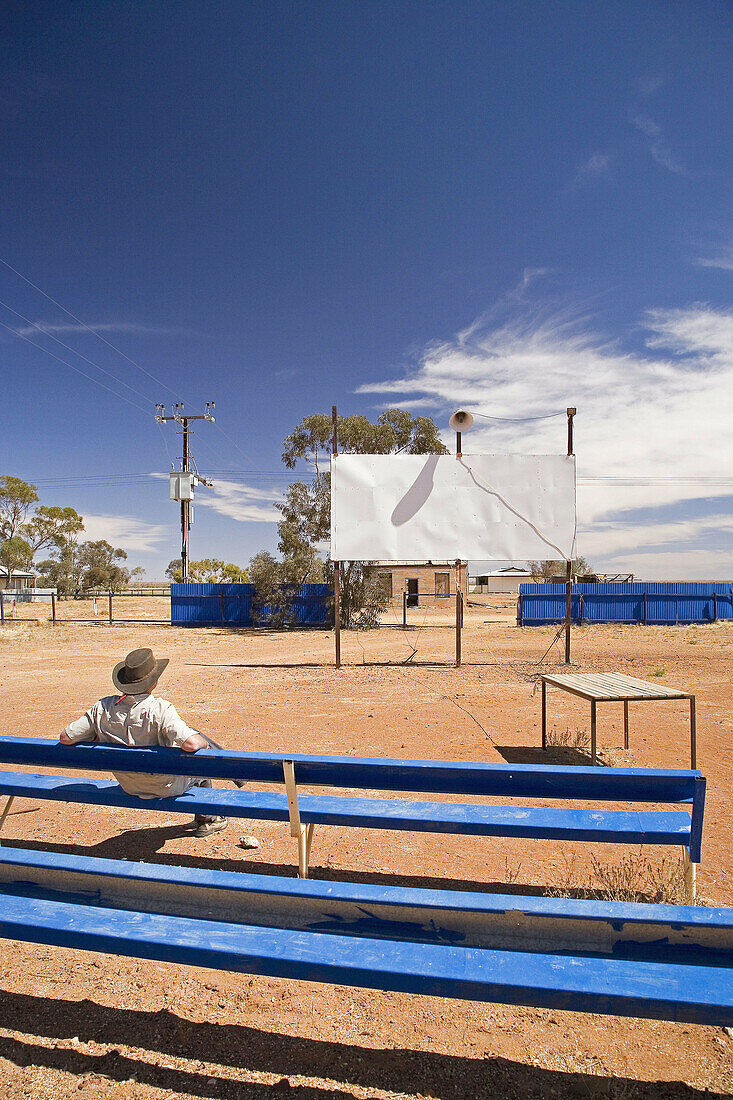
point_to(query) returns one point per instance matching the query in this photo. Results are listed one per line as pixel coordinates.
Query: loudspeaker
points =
(461, 421)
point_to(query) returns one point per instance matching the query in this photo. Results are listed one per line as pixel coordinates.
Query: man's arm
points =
(194, 743)
(83, 729)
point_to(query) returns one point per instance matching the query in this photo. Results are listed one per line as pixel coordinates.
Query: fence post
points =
(715, 607)
(581, 609)
(645, 612)
(53, 609)
(404, 609)
(520, 610)
(110, 608)
(2, 608)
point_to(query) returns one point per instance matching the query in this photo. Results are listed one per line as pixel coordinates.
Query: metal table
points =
(609, 687)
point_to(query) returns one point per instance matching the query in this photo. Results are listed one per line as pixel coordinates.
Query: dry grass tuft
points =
(566, 739)
(636, 879)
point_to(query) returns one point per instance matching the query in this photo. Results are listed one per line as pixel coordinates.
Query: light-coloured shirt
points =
(135, 720)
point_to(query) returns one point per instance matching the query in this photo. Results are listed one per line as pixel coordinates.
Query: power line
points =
(91, 378)
(520, 419)
(85, 325)
(73, 351)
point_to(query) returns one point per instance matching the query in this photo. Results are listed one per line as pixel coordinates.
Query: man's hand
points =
(194, 743)
(64, 739)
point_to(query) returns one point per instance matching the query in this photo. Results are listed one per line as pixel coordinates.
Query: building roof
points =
(422, 564)
(16, 572)
(508, 571)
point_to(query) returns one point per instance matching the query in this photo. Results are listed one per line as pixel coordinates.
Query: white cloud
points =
(596, 166)
(704, 565)
(237, 500)
(723, 260)
(129, 327)
(659, 148)
(240, 502)
(127, 532)
(662, 413)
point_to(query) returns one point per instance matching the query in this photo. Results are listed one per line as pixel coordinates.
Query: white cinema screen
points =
(441, 507)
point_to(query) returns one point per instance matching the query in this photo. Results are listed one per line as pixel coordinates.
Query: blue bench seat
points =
(614, 826)
(576, 982)
(340, 777)
(469, 918)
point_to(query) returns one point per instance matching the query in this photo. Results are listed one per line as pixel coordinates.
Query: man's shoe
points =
(214, 825)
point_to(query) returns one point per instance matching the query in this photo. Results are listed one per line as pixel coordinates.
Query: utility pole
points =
(183, 483)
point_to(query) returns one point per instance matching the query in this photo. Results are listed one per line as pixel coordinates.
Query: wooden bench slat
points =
(694, 994)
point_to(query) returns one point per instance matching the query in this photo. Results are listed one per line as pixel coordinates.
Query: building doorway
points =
(412, 591)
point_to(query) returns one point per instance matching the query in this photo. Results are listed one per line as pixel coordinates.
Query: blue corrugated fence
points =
(638, 602)
(231, 605)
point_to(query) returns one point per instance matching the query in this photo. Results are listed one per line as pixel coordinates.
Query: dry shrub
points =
(565, 739)
(636, 879)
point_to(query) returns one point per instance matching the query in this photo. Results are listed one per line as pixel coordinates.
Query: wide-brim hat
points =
(138, 673)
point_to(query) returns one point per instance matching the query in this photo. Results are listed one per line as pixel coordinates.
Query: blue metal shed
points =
(638, 602)
(231, 605)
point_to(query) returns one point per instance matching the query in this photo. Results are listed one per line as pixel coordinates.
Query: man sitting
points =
(135, 717)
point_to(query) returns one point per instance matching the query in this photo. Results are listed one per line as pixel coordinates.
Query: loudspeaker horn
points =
(461, 421)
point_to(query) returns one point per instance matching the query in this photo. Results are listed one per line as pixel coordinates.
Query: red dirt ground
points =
(102, 1025)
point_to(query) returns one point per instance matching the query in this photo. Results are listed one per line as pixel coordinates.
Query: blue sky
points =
(281, 206)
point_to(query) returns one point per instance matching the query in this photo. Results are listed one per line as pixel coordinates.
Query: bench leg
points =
(690, 877)
(6, 810)
(304, 850)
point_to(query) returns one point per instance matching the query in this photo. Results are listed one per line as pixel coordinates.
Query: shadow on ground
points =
(228, 1045)
(563, 755)
(144, 845)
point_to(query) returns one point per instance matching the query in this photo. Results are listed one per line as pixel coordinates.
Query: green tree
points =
(63, 572)
(52, 527)
(546, 570)
(216, 571)
(174, 570)
(305, 527)
(15, 553)
(16, 498)
(100, 568)
(272, 604)
(208, 571)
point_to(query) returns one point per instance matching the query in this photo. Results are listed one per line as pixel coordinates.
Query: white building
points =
(501, 580)
(19, 580)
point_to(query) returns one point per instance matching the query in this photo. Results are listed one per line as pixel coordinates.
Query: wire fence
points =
(126, 607)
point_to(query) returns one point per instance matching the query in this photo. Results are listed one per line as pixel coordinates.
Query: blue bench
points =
(653, 961)
(304, 812)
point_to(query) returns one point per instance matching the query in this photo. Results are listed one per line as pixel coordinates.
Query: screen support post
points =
(459, 616)
(569, 569)
(336, 564)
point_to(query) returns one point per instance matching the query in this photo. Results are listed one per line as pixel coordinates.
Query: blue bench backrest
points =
(375, 773)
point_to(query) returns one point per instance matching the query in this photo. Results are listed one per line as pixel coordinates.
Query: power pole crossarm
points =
(185, 488)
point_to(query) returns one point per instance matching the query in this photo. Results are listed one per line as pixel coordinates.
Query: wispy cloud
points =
(595, 167)
(659, 147)
(237, 500)
(129, 327)
(723, 259)
(662, 413)
(129, 533)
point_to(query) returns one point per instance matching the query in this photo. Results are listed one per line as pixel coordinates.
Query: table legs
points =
(593, 730)
(626, 723)
(693, 733)
(544, 715)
